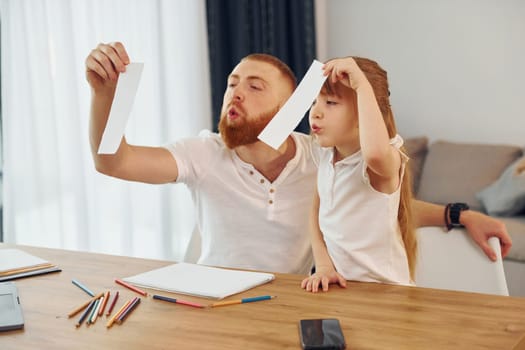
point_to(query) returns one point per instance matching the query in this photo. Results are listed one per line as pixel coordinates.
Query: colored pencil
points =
(26, 269)
(84, 315)
(112, 304)
(114, 317)
(242, 301)
(129, 286)
(106, 298)
(128, 310)
(83, 287)
(177, 301)
(95, 314)
(93, 309)
(83, 306)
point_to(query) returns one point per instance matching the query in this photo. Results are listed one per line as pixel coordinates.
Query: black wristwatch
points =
(454, 211)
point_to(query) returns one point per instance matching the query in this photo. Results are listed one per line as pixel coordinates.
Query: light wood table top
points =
(372, 316)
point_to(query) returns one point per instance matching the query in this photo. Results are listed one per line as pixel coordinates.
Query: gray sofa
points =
(487, 178)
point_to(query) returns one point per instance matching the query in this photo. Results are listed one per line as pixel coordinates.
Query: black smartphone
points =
(321, 334)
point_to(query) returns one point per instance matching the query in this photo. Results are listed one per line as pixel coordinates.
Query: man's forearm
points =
(100, 108)
(427, 214)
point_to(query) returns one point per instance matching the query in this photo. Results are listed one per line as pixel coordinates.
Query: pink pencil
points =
(112, 304)
(129, 286)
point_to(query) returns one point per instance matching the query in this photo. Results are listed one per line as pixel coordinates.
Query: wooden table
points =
(373, 316)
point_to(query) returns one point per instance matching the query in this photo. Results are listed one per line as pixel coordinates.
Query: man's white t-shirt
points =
(244, 220)
(359, 224)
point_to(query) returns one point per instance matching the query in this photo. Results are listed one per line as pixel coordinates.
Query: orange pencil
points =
(114, 317)
(128, 310)
(106, 297)
(83, 306)
(130, 304)
(129, 286)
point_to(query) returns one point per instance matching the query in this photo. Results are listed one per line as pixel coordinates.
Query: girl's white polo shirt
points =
(359, 224)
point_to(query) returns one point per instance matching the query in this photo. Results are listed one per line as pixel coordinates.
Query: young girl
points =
(360, 225)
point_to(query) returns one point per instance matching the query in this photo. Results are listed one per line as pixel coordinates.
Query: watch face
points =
(461, 206)
(455, 210)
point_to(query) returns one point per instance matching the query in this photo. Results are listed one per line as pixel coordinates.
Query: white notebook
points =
(15, 259)
(200, 280)
(15, 263)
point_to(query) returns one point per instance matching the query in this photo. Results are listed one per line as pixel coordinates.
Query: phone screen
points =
(321, 334)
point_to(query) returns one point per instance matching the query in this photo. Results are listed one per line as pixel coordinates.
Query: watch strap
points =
(455, 210)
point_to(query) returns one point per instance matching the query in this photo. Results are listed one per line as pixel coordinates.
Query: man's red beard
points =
(243, 132)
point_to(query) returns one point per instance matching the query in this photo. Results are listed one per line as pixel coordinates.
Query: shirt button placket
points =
(271, 196)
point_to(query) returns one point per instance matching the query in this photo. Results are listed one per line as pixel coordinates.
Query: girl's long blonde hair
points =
(377, 77)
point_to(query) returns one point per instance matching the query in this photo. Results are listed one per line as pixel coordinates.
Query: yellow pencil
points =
(117, 314)
(83, 306)
(225, 303)
(128, 310)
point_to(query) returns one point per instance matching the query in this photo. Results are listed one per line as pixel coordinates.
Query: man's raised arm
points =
(134, 163)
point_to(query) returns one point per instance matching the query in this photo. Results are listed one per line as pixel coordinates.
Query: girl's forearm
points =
(373, 134)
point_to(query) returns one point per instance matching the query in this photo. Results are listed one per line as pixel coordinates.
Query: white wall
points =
(456, 67)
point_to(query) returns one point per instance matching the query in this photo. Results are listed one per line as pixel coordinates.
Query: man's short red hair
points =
(277, 63)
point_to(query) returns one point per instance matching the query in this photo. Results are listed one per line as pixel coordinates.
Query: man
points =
(252, 201)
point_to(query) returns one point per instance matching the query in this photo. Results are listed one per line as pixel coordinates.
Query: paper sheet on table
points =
(15, 263)
(127, 85)
(200, 280)
(289, 116)
(15, 259)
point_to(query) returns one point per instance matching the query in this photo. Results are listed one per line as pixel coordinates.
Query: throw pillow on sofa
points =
(455, 172)
(506, 196)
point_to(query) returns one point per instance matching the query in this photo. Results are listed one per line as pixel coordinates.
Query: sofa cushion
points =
(516, 229)
(506, 196)
(455, 172)
(417, 148)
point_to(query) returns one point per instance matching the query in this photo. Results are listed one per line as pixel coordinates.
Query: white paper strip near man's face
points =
(289, 116)
(127, 85)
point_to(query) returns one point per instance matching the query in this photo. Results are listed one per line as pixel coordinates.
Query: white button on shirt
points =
(246, 221)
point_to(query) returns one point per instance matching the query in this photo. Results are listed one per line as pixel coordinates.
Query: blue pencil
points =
(83, 287)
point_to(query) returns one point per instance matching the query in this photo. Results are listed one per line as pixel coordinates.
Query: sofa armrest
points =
(516, 229)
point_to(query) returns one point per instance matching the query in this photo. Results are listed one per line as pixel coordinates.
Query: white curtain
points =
(52, 194)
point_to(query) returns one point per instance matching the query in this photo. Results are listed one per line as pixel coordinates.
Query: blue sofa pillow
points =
(506, 196)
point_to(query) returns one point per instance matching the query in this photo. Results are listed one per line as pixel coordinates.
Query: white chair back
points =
(452, 260)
